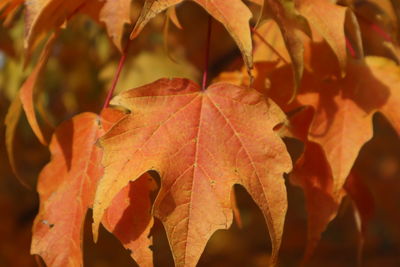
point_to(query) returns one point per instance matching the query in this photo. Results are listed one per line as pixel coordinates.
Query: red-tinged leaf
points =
(340, 126)
(66, 187)
(342, 122)
(312, 174)
(201, 143)
(344, 107)
(130, 220)
(11, 122)
(26, 92)
(234, 15)
(328, 19)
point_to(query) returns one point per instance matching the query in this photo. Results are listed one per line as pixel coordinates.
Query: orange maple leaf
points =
(66, 187)
(201, 143)
(341, 124)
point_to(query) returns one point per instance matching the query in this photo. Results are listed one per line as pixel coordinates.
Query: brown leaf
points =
(198, 165)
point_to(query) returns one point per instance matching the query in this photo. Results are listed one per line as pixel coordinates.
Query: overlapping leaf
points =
(115, 15)
(8, 8)
(66, 187)
(328, 19)
(336, 126)
(341, 125)
(291, 23)
(201, 143)
(313, 174)
(11, 123)
(234, 15)
(28, 90)
(43, 16)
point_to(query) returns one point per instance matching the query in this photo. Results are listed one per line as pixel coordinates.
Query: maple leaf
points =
(339, 124)
(343, 107)
(343, 118)
(43, 16)
(234, 15)
(66, 187)
(290, 23)
(313, 174)
(201, 143)
(130, 220)
(328, 19)
(115, 15)
(336, 124)
(27, 90)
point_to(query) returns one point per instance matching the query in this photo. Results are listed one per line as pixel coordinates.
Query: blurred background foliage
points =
(76, 79)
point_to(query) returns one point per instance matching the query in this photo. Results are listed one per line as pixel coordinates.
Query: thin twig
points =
(117, 74)
(207, 54)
